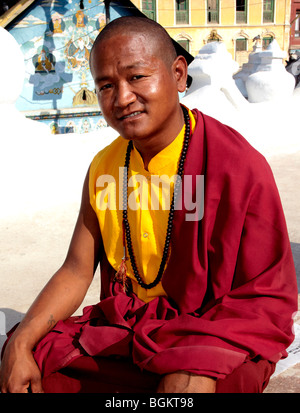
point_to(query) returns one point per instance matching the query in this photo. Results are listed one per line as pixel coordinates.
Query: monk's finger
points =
(36, 385)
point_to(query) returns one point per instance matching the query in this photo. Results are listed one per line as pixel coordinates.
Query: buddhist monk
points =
(198, 285)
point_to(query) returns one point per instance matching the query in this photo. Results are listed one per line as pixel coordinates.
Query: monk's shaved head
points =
(155, 33)
(137, 76)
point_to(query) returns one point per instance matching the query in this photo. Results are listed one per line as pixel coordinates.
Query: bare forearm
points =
(57, 301)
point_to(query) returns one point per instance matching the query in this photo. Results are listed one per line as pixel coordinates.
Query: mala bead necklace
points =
(121, 276)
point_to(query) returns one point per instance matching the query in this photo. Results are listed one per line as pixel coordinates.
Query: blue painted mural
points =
(56, 37)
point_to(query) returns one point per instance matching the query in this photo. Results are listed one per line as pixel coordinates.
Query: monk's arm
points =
(57, 301)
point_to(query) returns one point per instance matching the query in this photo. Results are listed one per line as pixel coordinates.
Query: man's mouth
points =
(131, 115)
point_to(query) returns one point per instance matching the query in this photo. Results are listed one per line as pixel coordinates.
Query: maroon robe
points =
(230, 279)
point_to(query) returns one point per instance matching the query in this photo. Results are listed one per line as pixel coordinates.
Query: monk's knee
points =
(250, 377)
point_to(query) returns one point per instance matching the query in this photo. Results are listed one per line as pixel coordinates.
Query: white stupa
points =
(38, 170)
(20, 138)
(248, 68)
(264, 78)
(12, 72)
(213, 89)
(265, 120)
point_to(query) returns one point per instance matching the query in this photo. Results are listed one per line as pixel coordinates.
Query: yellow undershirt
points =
(149, 197)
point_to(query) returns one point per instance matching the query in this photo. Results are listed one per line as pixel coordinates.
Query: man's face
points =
(137, 92)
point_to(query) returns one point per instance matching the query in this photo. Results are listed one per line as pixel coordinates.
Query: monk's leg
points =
(106, 375)
(251, 377)
(101, 375)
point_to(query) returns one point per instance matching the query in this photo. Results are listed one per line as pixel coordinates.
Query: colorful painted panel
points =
(56, 37)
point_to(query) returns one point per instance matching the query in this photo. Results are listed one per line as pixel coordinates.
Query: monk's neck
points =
(148, 150)
(149, 147)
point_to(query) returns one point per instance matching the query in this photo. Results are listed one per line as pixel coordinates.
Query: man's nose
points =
(124, 95)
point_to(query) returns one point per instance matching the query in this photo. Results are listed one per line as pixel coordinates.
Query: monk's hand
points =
(185, 382)
(19, 372)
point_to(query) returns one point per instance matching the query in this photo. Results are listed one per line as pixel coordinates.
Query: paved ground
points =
(33, 247)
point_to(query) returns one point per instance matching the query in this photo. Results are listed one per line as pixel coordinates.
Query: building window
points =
(212, 11)
(268, 16)
(241, 50)
(241, 45)
(149, 9)
(182, 12)
(185, 43)
(241, 11)
(297, 24)
(266, 41)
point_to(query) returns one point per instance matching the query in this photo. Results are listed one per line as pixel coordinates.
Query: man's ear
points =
(180, 69)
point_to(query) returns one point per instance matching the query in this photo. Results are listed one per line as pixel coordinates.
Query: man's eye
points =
(104, 87)
(136, 77)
